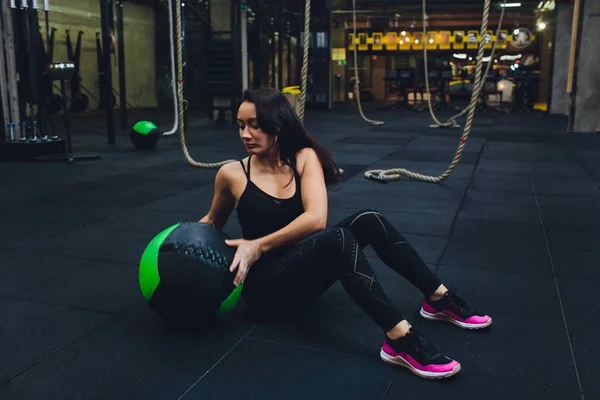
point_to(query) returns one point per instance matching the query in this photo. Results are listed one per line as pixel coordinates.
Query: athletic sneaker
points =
(455, 310)
(413, 352)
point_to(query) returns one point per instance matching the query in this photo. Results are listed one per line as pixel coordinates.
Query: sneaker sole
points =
(444, 317)
(401, 362)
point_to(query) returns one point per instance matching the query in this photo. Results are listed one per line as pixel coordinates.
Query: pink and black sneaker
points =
(455, 310)
(413, 352)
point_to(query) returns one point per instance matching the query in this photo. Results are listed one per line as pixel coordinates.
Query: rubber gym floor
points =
(515, 229)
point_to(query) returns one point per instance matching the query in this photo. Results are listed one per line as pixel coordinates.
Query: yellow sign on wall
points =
(391, 42)
(442, 40)
(473, 39)
(458, 40)
(338, 53)
(406, 41)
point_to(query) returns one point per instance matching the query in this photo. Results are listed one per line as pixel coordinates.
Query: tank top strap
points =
(246, 171)
(296, 177)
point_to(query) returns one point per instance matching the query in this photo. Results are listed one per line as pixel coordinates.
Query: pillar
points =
(561, 48)
(10, 97)
(585, 111)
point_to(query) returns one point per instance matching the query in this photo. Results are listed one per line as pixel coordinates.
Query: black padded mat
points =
(514, 226)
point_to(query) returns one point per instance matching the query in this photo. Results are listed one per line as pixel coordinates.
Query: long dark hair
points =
(276, 116)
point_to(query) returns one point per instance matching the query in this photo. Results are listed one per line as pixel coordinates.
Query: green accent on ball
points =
(144, 127)
(149, 277)
(231, 300)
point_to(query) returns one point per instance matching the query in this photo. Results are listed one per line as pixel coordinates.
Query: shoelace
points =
(421, 344)
(457, 302)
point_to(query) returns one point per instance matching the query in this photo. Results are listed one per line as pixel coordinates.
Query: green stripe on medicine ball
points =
(231, 301)
(144, 127)
(149, 277)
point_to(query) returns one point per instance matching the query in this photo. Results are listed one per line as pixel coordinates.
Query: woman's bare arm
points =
(223, 199)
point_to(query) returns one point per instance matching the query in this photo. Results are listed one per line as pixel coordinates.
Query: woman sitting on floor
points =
(287, 257)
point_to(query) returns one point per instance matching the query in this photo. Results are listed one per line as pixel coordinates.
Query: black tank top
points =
(261, 214)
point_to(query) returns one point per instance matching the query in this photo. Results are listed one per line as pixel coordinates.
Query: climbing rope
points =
(452, 120)
(304, 71)
(396, 173)
(356, 82)
(180, 99)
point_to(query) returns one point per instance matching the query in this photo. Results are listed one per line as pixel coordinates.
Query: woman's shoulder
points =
(233, 170)
(303, 156)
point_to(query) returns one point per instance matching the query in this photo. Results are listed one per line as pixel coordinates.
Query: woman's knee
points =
(335, 242)
(368, 225)
(364, 214)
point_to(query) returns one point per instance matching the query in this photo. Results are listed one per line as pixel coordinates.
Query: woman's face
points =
(254, 139)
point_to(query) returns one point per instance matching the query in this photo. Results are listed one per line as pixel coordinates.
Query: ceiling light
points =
(510, 5)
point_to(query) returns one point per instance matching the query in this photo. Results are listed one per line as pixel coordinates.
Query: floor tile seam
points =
(85, 260)
(454, 219)
(538, 242)
(399, 299)
(415, 213)
(84, 263)
(27, 299)
(503, 272)
(531, 275)
(75, 339)
(307, 347)
(218, 362)
(502, 219)
(404, 191)
(531, 207)
(512, 380)
(55, 351)
(71, 229)
(434, 214)
(446, 264)
(396, 148)
(558, 195)
(562, 310)
(580, 279)
(584, 168)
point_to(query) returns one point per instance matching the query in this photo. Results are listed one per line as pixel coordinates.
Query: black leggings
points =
(302, 274)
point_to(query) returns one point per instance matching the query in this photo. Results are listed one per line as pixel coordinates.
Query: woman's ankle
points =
(399, 331)
(439, 293)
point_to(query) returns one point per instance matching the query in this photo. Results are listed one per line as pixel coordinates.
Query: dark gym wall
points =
(196, 24)
(339, 41)
(84, 15)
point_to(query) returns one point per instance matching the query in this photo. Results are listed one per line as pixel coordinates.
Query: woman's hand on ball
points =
(248, 252)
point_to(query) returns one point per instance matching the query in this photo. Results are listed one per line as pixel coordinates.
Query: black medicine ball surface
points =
(193, 264)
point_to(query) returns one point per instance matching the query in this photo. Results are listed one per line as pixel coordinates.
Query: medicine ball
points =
(184, 274)
(144, 135)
